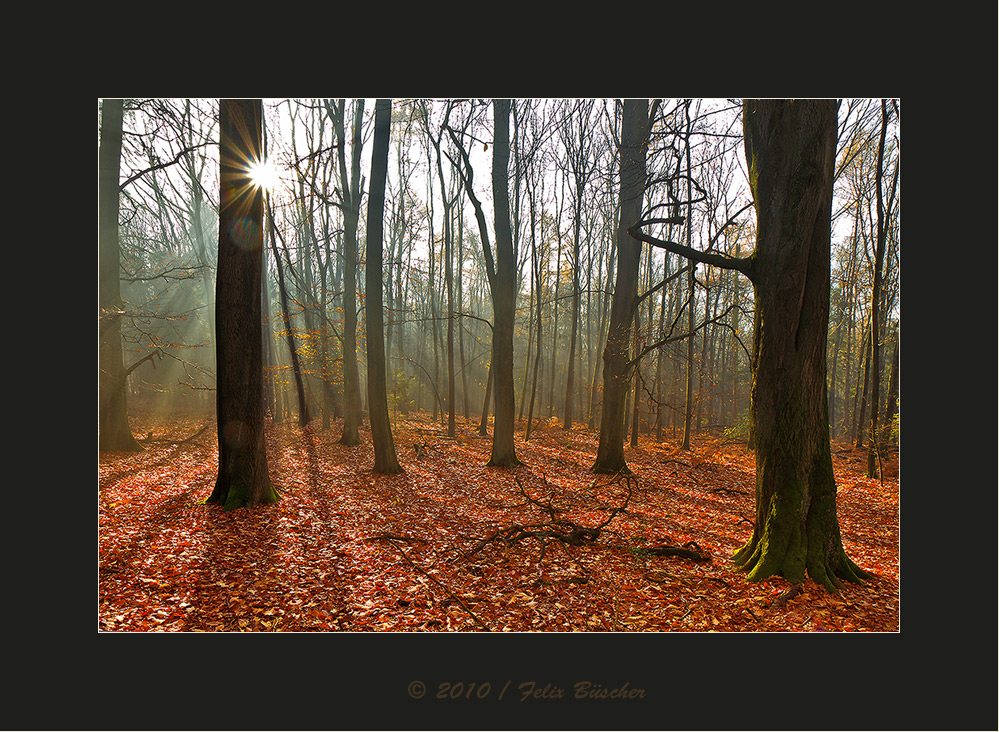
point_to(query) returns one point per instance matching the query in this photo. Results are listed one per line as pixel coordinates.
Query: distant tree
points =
(113, 430)
(243, 478)
(884, 213)
(296, 364)
(576, 137)
(688, 412)
(378, 412)
(502, 277)
(350, 194)
(450, 205)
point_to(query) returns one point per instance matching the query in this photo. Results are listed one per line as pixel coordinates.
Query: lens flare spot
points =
(245, 234)
(234, 433)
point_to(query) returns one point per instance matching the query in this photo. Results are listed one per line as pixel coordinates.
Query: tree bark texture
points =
(504, 293)
(243, 478)
(634, 131)
(113, 430)
(386, 461)
(790, 151)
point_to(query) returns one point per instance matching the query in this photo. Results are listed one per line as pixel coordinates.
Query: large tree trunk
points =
(378, 411)
(243, 479)
(113, 430)
(634, 131)
(790, 150)
(504, 296)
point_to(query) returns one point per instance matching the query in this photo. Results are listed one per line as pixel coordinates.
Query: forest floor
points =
(446, 545)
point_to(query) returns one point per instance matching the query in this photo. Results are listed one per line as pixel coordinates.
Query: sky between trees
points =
(169, 214)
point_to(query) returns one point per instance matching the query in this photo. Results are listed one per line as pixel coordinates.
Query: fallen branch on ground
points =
(150, 438)
(557, 529)
(690, 550)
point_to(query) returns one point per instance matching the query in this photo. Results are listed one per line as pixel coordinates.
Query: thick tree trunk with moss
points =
(790, 150)
(243, 478)
(113, 430)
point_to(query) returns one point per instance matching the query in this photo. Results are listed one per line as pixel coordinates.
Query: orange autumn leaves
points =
(346, 549)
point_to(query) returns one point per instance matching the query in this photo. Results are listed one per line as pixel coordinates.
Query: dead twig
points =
(554, 528)
(396, 537)
(437, 582)
(728, 490)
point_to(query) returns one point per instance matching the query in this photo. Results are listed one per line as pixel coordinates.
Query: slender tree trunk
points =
(688, 409)
(634, 134)
(484, 420)
(636, 407)
(605, 302)
(296, 365)
(555, 301)
(113, 430)
(536, 272)
(504, 296)
(243, 479)
(269, 362)
(876, 330)
(570, 374)
(378, 411)
(461, 307)
(351, 213)
(891, 405)
(858, 429)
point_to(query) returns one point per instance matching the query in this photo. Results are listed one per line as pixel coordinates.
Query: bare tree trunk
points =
(243, 478)
(876, 330)
(502, 276)
(891, 404)
(791, 155)
(113, 431)
(790, 150)
(378, 411)
(634, 134)
(296, 366)
(688, 409)
(351, 192)
(504, 295)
